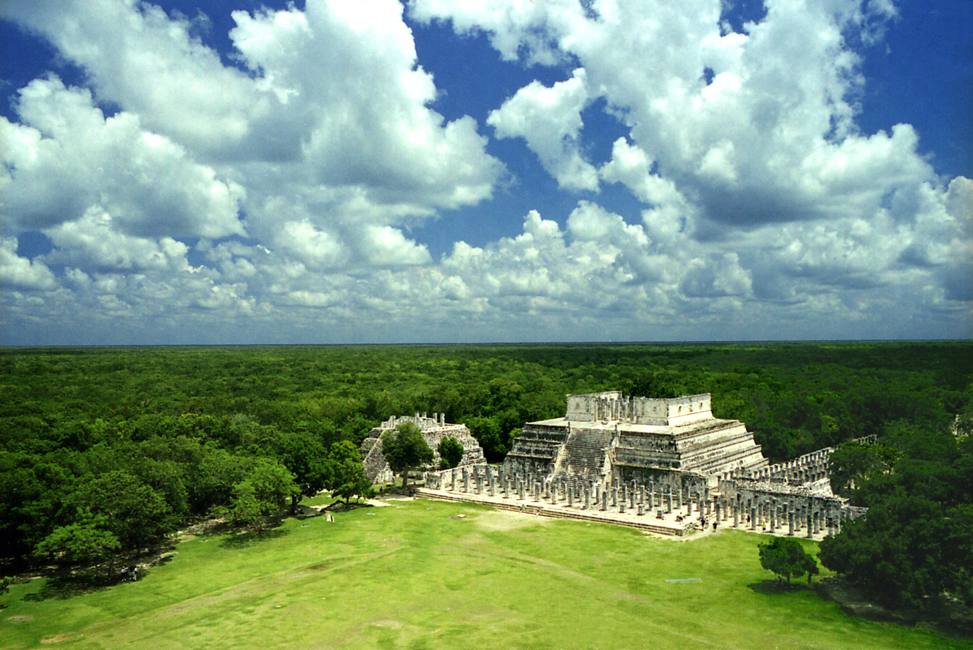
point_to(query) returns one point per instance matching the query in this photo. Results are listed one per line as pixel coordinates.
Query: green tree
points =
(346, 476)
(83, 544)
(262, 493)
(132, 511)
(304, 456)
(786, 557)
(487, 432)
(907, 550)
(5, 583)
(405, 448)
(450, 452)
(853, 462)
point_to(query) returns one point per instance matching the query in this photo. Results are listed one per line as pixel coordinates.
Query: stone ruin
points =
(663, 465)
(612, 438)
(433, 430)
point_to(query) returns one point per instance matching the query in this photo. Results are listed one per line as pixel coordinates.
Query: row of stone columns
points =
(805, 469)
(774, 515)
(588, 494)
(808, 516)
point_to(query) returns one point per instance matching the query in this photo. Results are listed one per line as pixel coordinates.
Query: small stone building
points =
(433, 430)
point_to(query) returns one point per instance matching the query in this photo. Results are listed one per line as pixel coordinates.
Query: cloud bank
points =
(274, 192)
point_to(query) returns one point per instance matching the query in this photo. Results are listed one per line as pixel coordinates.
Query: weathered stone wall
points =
(593, 406)
(612, 405)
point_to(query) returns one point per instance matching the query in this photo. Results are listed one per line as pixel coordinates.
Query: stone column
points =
(641, 509)
(604, 502)
(736, 515)
(753, 517)
(614, 497)
(668, 496)
(570, 496)
(790, 523)
(810, 534)
(466, 480)
(631, 499)
(587, 498)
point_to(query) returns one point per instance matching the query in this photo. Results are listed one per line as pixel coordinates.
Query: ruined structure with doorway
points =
(664, 465)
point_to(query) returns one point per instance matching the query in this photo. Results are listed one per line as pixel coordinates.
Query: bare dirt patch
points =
(57, 638)
(23, 618)
(388, 623)
(503, 520)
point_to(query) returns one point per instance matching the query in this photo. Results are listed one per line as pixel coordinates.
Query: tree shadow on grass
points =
(68, 584)
(251, 537)
(128, 567)
(946, 617)
(773, 587)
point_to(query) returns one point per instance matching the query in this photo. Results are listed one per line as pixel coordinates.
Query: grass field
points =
(412, 575)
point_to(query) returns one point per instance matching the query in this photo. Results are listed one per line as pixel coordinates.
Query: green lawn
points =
(413, 576)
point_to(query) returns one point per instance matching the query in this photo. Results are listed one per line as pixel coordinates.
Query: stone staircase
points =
(583, 454)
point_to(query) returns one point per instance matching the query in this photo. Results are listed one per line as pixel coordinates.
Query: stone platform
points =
(667, 525)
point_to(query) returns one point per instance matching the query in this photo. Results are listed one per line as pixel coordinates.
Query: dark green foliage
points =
(5, 583)
(916, 541)
(906, 551)
(262, 492)
(405, 448)
(853, 462)
(346, 474)
(303, 454)
(135, 514)
(450, 453)
(786, 558)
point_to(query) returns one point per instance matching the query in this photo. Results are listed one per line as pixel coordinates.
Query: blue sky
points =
(512, 170)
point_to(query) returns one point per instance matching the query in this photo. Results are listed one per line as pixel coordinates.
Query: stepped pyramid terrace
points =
(609, 437)
(662, 465)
